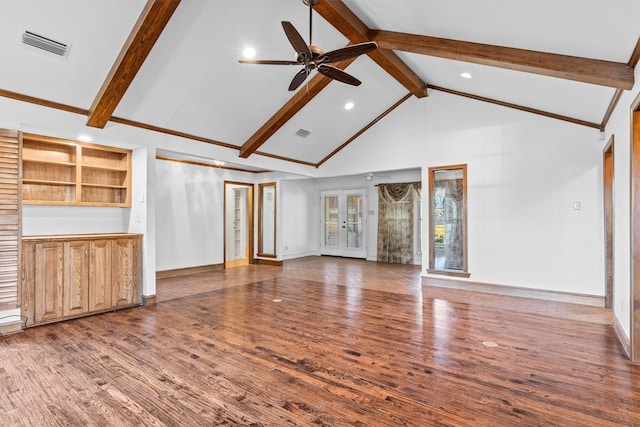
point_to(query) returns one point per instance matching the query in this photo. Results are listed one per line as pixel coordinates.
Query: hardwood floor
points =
(321, 342)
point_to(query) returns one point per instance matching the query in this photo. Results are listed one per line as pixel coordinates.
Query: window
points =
(448, 220)
(267, 220)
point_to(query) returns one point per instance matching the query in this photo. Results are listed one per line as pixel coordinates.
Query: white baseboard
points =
(623, 339)
(490, 288)
(300, 255)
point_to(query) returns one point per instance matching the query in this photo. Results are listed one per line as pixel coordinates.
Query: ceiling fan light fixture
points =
(466, 75)
(349, 105)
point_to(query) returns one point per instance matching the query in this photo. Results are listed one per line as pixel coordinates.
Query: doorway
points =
(238, 224)
(343, 226)
(608, 223)
(635, 231)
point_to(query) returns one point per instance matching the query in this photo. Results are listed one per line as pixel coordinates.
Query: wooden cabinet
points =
(75, 277)
(100, 271)
(71, 276)
(48, 289)
(61, 172)
(125, 273)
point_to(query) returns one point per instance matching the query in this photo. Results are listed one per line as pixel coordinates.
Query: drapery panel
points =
(395, 221)
(452, 199)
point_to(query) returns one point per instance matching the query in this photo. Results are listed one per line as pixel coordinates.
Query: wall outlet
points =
(576, 206)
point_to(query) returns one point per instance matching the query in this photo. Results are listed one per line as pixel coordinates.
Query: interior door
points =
(343, 223)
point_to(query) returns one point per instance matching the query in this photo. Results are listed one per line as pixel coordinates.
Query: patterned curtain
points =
(395, 221)
(453, 250)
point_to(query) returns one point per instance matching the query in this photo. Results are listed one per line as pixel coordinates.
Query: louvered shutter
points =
(10, 230)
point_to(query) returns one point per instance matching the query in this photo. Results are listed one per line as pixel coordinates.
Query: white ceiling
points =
(192, 82)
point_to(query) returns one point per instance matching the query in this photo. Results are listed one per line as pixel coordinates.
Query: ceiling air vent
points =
(44, 43)
(303, 133)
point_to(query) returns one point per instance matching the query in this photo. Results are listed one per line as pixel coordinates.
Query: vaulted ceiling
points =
(172, 67)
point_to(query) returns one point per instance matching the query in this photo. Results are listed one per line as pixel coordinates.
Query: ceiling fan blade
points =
(267, 62)
(338, 74)
(347, 52)
(300, 77)
(296, 39)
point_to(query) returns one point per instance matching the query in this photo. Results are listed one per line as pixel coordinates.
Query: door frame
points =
(634, 303)
(250, 216)
(609, 206)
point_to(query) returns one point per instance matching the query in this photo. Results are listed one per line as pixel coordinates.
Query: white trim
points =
(490, 288)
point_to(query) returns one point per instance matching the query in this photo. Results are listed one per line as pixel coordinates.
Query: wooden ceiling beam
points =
(633, 61)
(145, 33)
(586, 70)
(288, 110)
(344, 20)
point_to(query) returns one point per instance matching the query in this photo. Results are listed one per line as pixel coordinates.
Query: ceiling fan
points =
(312, 57)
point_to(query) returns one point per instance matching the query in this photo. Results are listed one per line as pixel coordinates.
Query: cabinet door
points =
(100, 275)
(76, 278)
(48, 281)
(125, 271)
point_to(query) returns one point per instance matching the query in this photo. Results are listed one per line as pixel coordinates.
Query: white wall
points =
(38, 220)
(189, 215)
(299, 220)
(524, 173)
(523, 179)
(140, 218)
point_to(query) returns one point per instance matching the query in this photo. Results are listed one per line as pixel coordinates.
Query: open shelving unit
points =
(62, 172)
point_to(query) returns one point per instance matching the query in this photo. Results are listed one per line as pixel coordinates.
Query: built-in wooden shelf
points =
(63, 172)
(49, 162)
(102, 185)
(46, 182)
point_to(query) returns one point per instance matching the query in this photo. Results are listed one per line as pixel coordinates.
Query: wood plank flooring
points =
(321, 342)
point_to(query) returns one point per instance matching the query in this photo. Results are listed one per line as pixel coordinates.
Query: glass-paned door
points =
(343, 231)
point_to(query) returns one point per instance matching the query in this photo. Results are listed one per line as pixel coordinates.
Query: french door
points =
(343, 224)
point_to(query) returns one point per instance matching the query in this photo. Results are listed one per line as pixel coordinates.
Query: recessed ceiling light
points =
(249, 53)
(348, 106)
(466, 75)
(85, 138)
